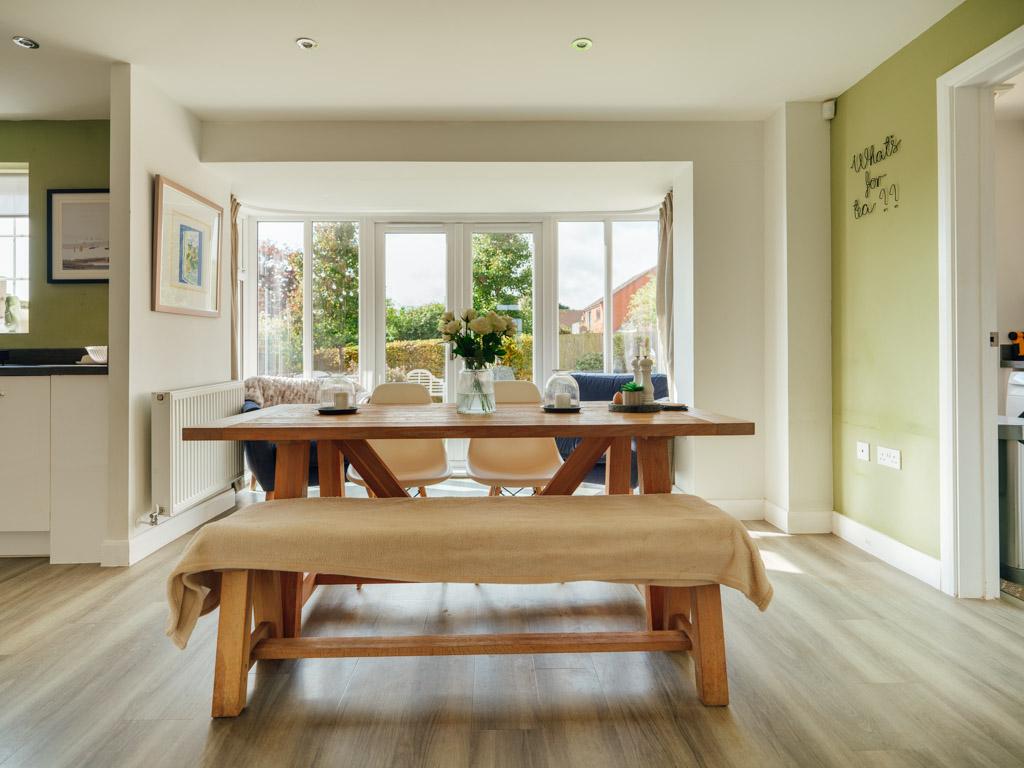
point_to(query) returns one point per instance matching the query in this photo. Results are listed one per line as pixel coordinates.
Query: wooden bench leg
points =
(231, 668)
(708, 638)
(292, 600)
(654, 600)
(266, 599)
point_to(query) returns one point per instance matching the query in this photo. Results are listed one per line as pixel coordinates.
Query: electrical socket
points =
(889, 457)
(863, 451)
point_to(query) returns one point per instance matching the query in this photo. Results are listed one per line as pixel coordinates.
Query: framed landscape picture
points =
(186, 251)
(78, 235)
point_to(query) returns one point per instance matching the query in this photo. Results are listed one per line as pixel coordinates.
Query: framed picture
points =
(78, 235)
(186, 251)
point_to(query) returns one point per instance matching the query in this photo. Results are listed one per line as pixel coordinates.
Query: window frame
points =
(16, 277)
(459, 229)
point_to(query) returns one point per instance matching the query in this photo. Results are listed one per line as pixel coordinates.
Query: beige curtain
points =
(235, 206)
(663, 298)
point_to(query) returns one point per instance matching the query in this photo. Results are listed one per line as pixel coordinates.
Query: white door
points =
(500, 273)
(413, 261)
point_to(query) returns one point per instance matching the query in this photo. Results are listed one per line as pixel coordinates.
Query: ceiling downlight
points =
(25, 42)
(582, 44)
(306, 43)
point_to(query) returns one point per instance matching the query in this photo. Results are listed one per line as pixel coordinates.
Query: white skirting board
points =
(888, 550)
(790, 521)
(128, 552)
(741, 509)
(25, 544)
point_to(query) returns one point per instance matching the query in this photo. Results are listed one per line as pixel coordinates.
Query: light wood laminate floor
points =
(854, 664)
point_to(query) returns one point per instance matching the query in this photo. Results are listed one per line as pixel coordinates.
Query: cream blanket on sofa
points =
(671, 540)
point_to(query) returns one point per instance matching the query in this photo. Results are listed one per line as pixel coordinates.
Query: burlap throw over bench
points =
(679, 549)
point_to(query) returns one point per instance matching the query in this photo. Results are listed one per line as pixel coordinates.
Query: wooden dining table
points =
(294, 428)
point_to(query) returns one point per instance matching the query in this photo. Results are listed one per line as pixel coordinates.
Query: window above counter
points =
(14, 248)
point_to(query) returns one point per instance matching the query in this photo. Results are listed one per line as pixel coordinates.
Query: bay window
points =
(361, 296)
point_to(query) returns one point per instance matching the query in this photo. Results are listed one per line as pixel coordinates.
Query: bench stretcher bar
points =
(681, 619)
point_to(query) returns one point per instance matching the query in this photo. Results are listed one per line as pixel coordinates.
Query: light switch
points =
(863, 451)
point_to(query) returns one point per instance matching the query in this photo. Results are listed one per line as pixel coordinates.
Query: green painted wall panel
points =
(61, 155)
(885, 279)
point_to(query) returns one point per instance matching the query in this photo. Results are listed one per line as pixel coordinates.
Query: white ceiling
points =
(452, 59)
(1010, 104)
(374, 187)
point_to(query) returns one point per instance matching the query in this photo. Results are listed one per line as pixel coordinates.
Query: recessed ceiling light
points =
(306, 43)
(24, 42)
(582, 43)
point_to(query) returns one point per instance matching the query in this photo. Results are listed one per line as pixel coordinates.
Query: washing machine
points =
(1011, 482)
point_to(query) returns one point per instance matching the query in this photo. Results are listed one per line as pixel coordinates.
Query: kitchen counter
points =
(8, 369)
(55, 361)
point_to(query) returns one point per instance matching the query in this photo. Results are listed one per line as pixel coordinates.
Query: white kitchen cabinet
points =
(24, 454)
(78, 468)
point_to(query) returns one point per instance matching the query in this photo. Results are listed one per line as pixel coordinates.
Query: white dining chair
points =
(517, 462)
(415, 463)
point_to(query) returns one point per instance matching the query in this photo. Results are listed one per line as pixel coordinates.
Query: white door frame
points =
(968, 448)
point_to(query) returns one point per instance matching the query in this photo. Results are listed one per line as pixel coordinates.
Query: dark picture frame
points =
(83, 235)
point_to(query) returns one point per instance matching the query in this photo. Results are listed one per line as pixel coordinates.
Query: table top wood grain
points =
(374, 422)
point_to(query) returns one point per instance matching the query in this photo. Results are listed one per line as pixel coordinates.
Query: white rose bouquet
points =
(478, 339)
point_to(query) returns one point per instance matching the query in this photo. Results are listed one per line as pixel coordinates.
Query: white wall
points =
(723, 370)
(1009, 170)
(797, 332)
(776, 339)
(151, 135)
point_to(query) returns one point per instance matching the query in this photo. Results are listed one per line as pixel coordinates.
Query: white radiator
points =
(187, 473)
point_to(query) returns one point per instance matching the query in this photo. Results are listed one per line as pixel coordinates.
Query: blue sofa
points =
(261, 456)
(602, 387)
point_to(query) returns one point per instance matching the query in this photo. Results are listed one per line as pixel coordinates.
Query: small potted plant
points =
(632, 393)
(479, 340)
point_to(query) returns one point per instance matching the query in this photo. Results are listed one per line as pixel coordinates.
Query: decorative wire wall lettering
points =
(880, 192)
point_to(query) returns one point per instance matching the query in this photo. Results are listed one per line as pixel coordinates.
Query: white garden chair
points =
(427, 380)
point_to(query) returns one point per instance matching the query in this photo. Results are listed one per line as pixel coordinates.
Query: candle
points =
(563, 400)
(343, 399)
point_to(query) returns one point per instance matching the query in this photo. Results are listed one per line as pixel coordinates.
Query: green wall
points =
(61, 155)
(885, 279)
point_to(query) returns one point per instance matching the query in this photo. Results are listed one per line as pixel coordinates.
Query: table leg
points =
(291, 481)
(569, 476)
(331, 465)
(655, 477)
(652, 457)
(617, 467)
(291, 476)
(378, 477)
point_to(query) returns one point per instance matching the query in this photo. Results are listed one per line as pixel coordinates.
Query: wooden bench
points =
(676, 548)
(679, 619)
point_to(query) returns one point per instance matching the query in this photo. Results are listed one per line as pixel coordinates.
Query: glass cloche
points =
(561, 393)
(337, 392)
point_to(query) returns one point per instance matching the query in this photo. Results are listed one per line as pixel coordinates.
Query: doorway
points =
(968, 352)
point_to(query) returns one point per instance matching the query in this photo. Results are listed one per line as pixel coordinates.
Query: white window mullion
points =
(608, 313)
(368, 365)
(376, 309)
(307, 298)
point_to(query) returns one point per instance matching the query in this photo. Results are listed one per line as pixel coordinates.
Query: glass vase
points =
(474, 391)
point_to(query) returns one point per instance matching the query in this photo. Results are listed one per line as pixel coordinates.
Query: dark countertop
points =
(1017, 365)
(52, 370)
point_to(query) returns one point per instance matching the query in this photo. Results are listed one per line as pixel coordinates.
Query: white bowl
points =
(98, 354)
